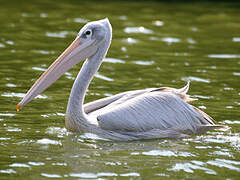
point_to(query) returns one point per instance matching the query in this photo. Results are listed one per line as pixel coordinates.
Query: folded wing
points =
(157, 108)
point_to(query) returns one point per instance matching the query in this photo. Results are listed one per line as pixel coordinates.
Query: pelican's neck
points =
(75, 111)
(82, 82)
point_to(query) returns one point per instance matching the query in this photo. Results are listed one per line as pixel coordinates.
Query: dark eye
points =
(88, 32)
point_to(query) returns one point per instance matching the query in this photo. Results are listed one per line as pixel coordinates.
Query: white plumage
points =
(144, 110)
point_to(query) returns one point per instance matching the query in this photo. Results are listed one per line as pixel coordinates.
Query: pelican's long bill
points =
(76, 52)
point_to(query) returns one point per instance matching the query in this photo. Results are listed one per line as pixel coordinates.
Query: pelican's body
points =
(141, 114)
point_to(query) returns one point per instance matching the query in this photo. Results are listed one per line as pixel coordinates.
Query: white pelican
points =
(142, 114)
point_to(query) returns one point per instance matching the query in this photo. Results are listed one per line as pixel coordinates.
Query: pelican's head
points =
(85, 45)
(96, 30)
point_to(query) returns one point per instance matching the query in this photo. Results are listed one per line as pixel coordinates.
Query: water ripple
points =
(159, 153)
(19, 165)
(158, 23)
(167, 153)
(36, 163)
(59, 164)
(221, 153)
(224, 56)
(122, 18)
(134, 174)
(236, 73)
(39, 68)
(48, 141)
(138, 30)
(8, 171)
(10, 85)
(98, 75)
(170, 40)
(84, 175)
(130, 40)
(191, 41)
(61, 34)
(4, 138)
(203, 97)
(221, 139)
(12, 129)
(80, 20)
(236, 39)
(113, 60)
(190, 167)
(7, 114)
(145, 63)
(59, 132)
(21, 95)
(225, 163)
(231, 122)
(43, 51)
(43, 15)
(51, 175)
(10, 42)
(198, 79)
(2, 45)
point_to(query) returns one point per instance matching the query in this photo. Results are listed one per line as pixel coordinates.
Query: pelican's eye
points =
(88, 32)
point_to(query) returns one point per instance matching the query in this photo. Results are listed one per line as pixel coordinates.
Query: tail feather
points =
(182, 92)
(185, 89)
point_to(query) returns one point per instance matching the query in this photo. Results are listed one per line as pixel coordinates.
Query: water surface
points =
(154, 44)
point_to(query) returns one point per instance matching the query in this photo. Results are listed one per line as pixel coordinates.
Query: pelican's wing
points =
(91, 107)
(100, 103)
(162, 108)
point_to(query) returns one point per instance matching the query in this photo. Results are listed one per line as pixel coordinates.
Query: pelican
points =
(133, 115)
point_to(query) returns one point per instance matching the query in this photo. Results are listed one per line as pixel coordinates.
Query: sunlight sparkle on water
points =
(224, 56)
(21, 95)
(138, 30)
(48, 141)
(170, 40)
(61, 34)
(130, 40)
(113, 60)
(19, 165)
(51, 175)
(198, 79)
(100, 76)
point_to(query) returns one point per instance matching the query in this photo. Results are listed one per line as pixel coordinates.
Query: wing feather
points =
(100, 104)
(157, 109)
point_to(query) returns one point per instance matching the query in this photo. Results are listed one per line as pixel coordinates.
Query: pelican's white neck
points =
(75, 114)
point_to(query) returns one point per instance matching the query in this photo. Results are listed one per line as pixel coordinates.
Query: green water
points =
(154, 44)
